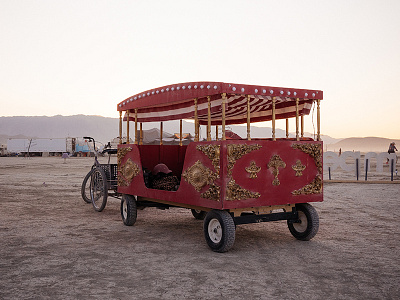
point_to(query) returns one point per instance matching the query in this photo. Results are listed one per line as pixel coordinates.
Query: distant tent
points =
(152, 136)
(115, 141)
(230, 135)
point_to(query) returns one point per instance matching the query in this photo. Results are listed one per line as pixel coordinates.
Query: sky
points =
(83, 57)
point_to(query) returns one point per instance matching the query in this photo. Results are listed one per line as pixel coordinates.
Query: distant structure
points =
(41, 147)
(47, 147)
(3, 150)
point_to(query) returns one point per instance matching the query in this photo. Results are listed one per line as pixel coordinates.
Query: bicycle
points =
(100, 180)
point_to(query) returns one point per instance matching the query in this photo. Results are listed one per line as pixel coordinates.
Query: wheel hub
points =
(125, 210)
(215, 231)
(301, 224)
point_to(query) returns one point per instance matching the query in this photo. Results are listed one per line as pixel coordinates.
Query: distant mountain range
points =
(365, 144)
(105, 129)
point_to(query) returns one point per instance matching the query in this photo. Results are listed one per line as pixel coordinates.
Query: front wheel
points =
(128, 210)
(306, 227)
(98, 189)
(219, 230)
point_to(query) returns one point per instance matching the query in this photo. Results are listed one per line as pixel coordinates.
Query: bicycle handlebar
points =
(110, 151)
(90, 139)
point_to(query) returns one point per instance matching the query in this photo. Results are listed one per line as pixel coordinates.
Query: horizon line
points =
(187, 120)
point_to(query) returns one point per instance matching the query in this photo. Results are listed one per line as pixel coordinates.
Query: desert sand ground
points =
(54, 246)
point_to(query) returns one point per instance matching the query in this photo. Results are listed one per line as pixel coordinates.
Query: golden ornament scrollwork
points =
(122, 152)
(275, 163)
(198, 175)
(236, 192)
(298, 168)
(127, 172)
(233, 190)
(213, 153)
(315, 187)
(253, 169)
(213, 193)
(122, 180)
(314, 150)
(236, 151)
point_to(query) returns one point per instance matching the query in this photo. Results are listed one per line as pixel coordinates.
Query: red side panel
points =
(278, 172)
(173, 156)
(229, 174)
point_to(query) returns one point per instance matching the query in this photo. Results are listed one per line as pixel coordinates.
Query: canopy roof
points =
(176, 101)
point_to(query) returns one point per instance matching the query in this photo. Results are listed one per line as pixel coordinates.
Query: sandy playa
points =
(54, 246)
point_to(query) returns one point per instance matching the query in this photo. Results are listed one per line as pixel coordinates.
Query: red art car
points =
(225, 181)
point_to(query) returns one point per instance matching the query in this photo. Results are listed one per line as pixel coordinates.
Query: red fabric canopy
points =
(176, 101)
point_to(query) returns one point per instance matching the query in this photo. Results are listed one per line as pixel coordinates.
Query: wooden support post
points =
(223, 116)
(180, 132)
(248, 118)
(127, 126)
(302, 126)
(273, 119)
(287, 128)
(297, 119)
(141, 135)
(318, 121)
(161, 132)
(196, 126)
(209, 119)
(136, 139)
(120, 127)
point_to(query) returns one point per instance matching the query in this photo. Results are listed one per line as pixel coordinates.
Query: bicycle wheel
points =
(85, 189)
(98, 189)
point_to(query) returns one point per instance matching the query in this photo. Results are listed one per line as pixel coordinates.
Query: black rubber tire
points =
(219, 230)
(198, 214)
(85, 189)
(98, 189)
(128, 209)
(309, 222)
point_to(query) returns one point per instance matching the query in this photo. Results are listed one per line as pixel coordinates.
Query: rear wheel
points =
(219, 230)
(128, 209)
(85, 189)
(307, 224)
(98, 189)
(198, 214)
